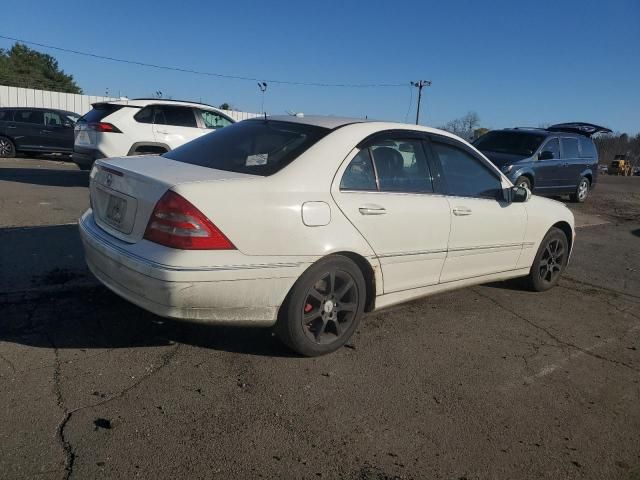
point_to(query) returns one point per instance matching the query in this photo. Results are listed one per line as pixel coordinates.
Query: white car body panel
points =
(284, 223)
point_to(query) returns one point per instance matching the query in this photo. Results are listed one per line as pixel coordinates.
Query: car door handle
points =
(45, 131)
(11, 126)
(461, 211)
(565, 164)
(372, 210)
(163, 132)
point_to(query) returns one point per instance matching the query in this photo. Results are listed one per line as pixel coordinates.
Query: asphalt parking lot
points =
(490, 382)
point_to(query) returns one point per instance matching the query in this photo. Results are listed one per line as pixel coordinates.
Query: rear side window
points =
(99, 111)
(6, 115)
(465, 175)
(213, 120)
(359, 174)
(569, 147)
(177, 116)
(30, 116)
(587, 148)
(145, 115)
(257, 147)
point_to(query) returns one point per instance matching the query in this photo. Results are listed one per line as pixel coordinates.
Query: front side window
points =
(552, 146)
(466, 176)
(570, 147)
(213, 120)
(30, 116)
(359, 175)
(176, 116)
(6, 115)
(257, 147)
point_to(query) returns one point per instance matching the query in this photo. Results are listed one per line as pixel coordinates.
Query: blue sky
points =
(513, 62)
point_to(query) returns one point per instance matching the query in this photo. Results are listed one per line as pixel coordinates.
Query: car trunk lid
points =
(125, 190)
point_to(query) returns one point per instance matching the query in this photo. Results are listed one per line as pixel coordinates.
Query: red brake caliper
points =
(308, 307)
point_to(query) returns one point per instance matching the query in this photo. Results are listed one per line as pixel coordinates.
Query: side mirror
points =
(546, 155)
(520, 194)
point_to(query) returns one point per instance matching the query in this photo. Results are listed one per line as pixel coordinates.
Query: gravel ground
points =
(487, 382)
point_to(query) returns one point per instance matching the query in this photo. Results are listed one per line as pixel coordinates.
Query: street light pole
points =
(420, 84)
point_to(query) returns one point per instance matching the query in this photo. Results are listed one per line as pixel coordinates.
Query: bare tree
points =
(464, 126)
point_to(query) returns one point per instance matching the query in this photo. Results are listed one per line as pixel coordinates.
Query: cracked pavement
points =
(487, 382)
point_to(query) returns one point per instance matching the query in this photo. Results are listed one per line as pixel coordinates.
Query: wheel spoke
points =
(320, 331)
(348, 307)
(339, 327)
(344, 289)
(307, 318)
(316, 294)
(332, 282)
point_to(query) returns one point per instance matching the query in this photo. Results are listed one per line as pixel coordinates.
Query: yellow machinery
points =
(620, 166)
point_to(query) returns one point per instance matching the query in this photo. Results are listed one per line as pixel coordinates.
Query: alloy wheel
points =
(5, 147)
(551, 261)
(583, 189)
(329, 307)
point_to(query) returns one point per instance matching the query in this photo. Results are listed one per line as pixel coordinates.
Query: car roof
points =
(143, 102)
(42, 110)
(317, 120)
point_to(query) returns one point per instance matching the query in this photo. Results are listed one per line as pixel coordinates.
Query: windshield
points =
(257, 147)
(516, 143)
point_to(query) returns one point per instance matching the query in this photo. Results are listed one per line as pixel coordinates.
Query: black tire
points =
(549, 262)
(323, 308)
(582, 191)
(7, 148)
(523, 181)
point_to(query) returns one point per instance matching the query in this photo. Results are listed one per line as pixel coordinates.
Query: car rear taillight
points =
(176, 223)
(103, 127)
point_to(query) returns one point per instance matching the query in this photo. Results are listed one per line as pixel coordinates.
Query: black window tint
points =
(177, 116)
(99, 111)
(465, 175)
(587, 148)
(552, 146)
(6, 115)
(359, 175)
(145, 115)
(52, 119)
(401, 166)
(569, 147)
(30, 116)
(257, 147)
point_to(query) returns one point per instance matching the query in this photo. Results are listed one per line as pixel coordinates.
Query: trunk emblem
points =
(109, 180)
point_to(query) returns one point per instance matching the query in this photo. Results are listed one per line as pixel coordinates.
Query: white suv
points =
(141, 126)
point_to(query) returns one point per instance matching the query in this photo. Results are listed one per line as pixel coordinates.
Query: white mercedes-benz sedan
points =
(306, 223)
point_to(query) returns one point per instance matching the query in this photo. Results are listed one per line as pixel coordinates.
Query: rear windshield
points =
(258, 147)
(99, 111)
(516, 143)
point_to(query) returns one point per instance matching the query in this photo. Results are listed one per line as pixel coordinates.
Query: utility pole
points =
(420, 84)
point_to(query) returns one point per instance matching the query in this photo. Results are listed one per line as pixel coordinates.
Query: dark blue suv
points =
(558, 160)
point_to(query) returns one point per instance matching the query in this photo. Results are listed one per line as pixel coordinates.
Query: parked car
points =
(558, 160)
(36, 130)
(307, 223)
(141, 126)
(603, 169)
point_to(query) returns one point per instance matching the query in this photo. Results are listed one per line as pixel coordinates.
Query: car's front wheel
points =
(7, 148)
(523, 181)
(582, 191)
(549, 262)
(323, 308)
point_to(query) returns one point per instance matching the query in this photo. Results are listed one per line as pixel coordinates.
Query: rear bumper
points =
(85, 157)
(199, 295)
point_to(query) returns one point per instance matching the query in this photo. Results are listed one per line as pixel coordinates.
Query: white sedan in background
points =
(307, 223)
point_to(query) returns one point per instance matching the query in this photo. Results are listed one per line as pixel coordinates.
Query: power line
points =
(209, 74)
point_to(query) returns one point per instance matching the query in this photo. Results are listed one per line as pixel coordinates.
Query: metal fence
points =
(81, 104)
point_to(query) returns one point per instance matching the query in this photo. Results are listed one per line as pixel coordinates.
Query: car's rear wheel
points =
(582, 191)
(323, 308)
(549, 262)
(7, 148)
(523, 181)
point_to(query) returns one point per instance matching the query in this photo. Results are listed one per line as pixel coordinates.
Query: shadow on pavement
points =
(71, 311)
(46, 176)
(636, 232)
